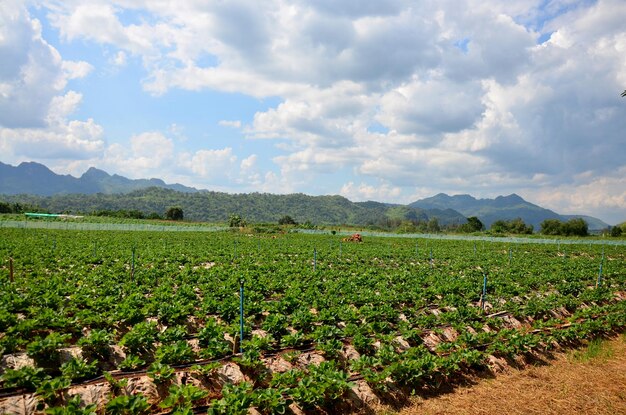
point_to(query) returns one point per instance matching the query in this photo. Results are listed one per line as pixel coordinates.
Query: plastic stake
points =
(241, 294)
(132, 265)
(483, 297)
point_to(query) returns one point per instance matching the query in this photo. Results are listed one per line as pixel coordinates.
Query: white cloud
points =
(119, 59)
(151, 149)
(365, 192)
(34, 111)
(462, 97)
(76, 69)
(31, 73)
(604, 195)
(249, 162)
(212, 164)
(450, 107)
(92, 21)
(177, 131)
(154, 154)
(231, 124)
(74, 140)
(61, 106)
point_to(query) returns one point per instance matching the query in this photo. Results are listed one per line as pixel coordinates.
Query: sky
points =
(389, 100)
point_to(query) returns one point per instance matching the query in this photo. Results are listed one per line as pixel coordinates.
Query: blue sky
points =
(390, 101)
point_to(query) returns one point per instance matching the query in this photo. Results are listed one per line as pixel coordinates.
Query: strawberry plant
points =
(52, 391)
(96, 345)
(116, 386)
(292, 340)
(251, 363)
(45, 351)
(182, 397)
(205, 371)
(363, 344)
(323, 384)
(26, 377)
(78, 369)
(128, 405)
(132, 362)
(160, 372)
(175, 353)
(140, 339)
(73, 406)
(414, 370)
(275, 324)
(271, 401)
(236, 399)
(331, 348)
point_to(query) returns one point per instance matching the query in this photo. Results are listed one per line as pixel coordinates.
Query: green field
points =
(149, 322)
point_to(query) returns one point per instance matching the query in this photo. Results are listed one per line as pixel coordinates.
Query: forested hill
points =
(253, 207)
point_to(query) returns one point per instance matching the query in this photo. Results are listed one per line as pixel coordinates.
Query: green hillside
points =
(253, 207)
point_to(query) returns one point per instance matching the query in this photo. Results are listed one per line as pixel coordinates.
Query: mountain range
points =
(501, 208)
(36, 184)
(37, 179)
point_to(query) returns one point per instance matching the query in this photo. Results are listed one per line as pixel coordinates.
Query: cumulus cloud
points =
(76, 69)
(365, 192)
(604, 195)
(34, 110)
(74, 140)
(453, 107)
(464, 96)
(31, 73)
(212, 164)
(249, 162)
(155, 154)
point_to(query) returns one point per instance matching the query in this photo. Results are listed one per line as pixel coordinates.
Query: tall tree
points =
(174, 213)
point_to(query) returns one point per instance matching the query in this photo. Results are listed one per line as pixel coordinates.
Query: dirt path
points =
(587, 381)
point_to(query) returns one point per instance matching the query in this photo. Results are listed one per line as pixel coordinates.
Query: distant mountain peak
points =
(513, 197)
(34, 178)
(33, 166)
(501, 208)
(94, 173)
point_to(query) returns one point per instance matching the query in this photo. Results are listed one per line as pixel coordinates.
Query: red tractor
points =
(354, 238)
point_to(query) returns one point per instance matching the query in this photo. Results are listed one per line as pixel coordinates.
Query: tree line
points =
(290, 210)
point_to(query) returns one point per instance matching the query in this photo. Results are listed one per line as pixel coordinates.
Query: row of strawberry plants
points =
(77, 290)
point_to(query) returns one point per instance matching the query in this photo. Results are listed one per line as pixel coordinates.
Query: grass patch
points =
(596, 349)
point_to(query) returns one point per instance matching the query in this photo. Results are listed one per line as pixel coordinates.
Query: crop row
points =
(387, 312)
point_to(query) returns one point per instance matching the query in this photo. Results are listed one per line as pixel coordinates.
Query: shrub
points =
(174, 213)
(287, 220)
